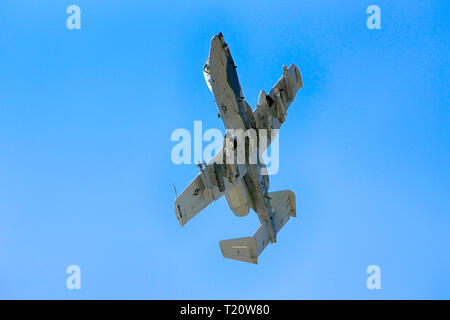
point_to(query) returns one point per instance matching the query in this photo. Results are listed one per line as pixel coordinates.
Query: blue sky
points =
(85, 170)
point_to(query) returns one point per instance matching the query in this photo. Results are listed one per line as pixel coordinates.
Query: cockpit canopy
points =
(207, 74)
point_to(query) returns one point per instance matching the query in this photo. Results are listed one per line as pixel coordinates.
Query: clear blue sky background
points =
(85, 170)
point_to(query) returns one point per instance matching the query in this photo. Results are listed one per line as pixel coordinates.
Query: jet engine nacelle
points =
(239, 200)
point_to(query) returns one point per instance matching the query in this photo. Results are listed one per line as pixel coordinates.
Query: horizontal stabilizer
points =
(249, 248)
(243, 249)
(283, 204)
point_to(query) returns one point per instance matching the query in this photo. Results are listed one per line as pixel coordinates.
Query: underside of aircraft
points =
(245, 184)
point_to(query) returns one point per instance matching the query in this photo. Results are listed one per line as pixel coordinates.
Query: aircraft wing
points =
(222, 79)
(271, 110)
(210, 184)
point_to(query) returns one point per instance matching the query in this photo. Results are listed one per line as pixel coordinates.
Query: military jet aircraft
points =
(242, 183)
